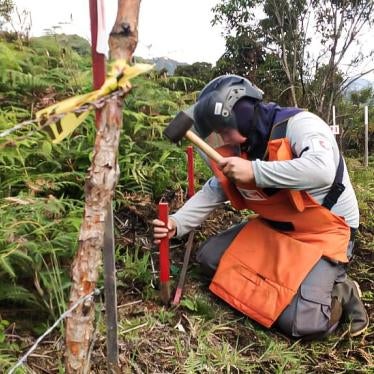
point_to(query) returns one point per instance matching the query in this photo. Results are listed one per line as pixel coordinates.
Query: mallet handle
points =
(190, 172)
(205, 147)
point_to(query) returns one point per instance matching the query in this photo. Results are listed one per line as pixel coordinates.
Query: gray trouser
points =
(309, 311)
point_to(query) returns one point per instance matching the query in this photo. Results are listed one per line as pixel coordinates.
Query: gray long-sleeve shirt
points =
(314, 171)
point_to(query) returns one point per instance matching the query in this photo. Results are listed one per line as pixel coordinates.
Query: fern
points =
(41, 185)
(25, 81)
(186, 84)
(17, 294)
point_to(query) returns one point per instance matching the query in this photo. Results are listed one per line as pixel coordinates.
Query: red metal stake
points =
(190, 172)
(163, 215)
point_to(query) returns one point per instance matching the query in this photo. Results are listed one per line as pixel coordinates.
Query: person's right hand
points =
(160, 230)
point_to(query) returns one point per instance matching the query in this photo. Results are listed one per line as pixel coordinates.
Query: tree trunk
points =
(124, 35)
(99, 189)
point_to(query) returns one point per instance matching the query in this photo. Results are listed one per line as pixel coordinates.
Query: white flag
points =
(102, 37)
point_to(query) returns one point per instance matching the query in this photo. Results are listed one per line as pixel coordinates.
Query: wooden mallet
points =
(179, 128)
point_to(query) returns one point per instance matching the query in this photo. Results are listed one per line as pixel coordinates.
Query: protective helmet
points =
(214, 107)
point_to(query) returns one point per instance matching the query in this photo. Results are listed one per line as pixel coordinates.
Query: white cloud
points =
(178, 29)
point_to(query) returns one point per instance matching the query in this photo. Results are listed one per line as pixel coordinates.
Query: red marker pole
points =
(190, 172)
(163, 215)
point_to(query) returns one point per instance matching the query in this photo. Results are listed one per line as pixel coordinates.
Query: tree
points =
(304, 36)
(6, 9)
(243, 56)
(198, 70)
(99, 189)
(247, 58)
(339, 24)
(279, 33)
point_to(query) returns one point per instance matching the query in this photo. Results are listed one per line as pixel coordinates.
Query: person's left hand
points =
(237, 169)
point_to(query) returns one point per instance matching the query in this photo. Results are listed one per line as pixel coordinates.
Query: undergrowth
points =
(41, 205)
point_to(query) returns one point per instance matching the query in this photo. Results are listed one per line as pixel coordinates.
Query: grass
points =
(203, 334)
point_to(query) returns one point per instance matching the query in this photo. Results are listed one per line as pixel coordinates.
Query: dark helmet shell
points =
(214, 107)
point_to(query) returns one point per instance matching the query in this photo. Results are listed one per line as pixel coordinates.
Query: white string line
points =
(94, 104)
(95, 292)
(16, 127)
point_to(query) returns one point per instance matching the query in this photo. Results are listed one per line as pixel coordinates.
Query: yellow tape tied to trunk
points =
(118, 78)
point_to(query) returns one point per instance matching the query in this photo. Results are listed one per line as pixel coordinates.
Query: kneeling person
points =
(286, 266)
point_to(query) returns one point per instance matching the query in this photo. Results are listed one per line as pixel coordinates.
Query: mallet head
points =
(178, 127)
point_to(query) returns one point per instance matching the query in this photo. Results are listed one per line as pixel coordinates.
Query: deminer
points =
(286, 267)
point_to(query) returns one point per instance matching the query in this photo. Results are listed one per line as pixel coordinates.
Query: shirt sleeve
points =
(315, 162)
(199, 206)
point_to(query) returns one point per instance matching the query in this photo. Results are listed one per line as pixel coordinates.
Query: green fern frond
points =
(17, 294)
(7, 267)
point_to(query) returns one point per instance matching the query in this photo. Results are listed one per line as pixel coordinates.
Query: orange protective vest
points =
(263, 267)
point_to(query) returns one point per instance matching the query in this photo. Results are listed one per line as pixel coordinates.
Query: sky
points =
(177, 29)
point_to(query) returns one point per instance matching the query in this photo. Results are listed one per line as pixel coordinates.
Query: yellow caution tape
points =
(118, 78)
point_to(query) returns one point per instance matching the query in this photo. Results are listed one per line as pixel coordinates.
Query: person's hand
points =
(237, 169)
(160, 230)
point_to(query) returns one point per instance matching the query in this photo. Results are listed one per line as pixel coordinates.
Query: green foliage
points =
(37, 238)
(9, 59)
(310, 73)
(166, 316)
(182, 83)
(136, 266)
(48, 66)
(198, 70)
(41, 207)
(199, 305)
(363, 181)
(351, 121)
(7, 349)
(6, 9)
(41, 185)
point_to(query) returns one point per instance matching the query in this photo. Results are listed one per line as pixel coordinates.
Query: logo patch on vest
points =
(251, 194)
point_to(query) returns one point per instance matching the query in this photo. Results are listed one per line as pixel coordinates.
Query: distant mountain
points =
(162, 63)
(358, 85)
(83, 48)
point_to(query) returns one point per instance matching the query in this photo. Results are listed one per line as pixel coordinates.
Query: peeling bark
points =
(99, 189)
